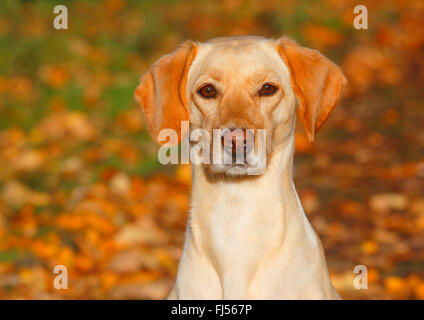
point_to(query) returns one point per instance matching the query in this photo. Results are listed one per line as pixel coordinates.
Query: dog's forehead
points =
(236, 54)
(235, 40)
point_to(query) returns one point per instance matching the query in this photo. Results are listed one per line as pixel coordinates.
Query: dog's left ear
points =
(162, 91)
(316, 81)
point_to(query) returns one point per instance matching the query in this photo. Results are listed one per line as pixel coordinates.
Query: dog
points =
(247, 236)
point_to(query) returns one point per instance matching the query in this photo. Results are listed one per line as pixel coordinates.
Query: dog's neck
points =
(274, 188)
(241, 223)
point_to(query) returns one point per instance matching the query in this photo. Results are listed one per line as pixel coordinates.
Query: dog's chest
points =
(243, 224)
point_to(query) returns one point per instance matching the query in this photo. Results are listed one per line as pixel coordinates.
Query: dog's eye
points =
(207, 91)
(267, 90)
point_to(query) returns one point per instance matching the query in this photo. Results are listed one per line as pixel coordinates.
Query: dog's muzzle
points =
(238, 142)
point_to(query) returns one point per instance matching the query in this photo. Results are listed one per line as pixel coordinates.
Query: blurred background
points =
(80, 184)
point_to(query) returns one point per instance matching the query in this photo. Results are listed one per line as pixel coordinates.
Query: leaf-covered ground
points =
(80, 184)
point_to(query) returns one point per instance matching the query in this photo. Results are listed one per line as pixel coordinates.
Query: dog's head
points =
(240, 85)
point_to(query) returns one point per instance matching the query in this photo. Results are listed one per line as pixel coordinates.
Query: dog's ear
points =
(317, 83)
(162, 91)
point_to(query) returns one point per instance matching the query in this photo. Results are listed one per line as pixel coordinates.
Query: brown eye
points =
(267, 90)
(207, 91)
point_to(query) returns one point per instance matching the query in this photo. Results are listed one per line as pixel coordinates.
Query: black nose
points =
(237, 141)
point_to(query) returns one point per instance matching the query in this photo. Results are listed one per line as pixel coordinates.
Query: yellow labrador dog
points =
(247, 235)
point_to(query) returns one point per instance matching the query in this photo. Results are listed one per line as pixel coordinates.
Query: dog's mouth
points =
(237, 144)
(238, 152)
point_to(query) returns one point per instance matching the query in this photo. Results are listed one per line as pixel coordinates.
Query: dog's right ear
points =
(316, 81)
(162, 91)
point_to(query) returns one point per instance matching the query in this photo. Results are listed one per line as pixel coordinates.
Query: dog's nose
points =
(237, 141)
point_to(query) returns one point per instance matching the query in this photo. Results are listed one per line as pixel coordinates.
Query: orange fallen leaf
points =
(419, 291)
(397, 287)
(369, 247)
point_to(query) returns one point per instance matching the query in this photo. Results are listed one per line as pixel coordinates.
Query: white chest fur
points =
(250, 239)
